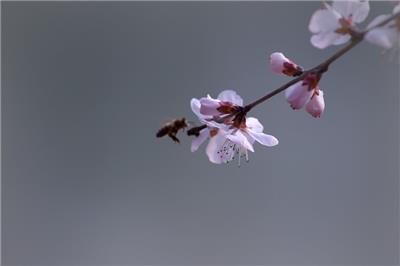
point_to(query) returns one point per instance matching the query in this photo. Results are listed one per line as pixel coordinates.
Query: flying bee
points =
(171, 129)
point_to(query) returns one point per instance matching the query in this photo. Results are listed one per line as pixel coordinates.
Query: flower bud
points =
(298, 94)
(282, 65)
(316, 105)
(209, 106)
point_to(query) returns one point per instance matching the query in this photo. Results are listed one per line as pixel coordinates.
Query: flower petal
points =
(298, 95)
(230, 96)
(208, 106)
(382, 36)
(316, 105)
(253, 124)
(377, 20)
(357, 10)
(324, 20)
(195, 105)
(341, 39)
(264, 139)
(204, 134)
(276, 61)
(396, 9)
(324, 39)
(240, 140)
(214, 146)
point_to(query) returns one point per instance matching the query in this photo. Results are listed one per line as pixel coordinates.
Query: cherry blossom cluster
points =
(224, 121)
(229, 134)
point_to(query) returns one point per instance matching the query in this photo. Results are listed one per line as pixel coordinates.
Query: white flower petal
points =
(383, 37)
(214, 146)
(264, 139)
(357, 10)
(341, 39)
(396, 9)
(195, 105)
(204, 134)
(377, 20)
(324, 39)
(324, 20)
(240, 140)
(253, 124)
(230, 96)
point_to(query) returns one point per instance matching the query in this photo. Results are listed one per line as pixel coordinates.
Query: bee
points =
(171, 129)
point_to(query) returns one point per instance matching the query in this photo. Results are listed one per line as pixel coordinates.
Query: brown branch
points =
(357, 37)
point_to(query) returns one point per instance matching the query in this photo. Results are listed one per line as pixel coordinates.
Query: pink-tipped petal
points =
(276, 61)
(204, 134)
(316, 105)
(208, 106)
(298, 95)
(281, 65)
(230, 96)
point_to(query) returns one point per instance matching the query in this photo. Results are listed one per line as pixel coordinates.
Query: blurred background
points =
(85, 87)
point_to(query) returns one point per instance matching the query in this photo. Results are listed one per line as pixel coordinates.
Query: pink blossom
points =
(225, 140)
(306, 93)
(386, 36)
(334, 24)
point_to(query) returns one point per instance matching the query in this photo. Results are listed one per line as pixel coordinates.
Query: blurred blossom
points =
(386, 36)
(333, 24)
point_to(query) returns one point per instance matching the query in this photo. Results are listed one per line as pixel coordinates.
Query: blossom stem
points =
(321, 68)
(357, 37)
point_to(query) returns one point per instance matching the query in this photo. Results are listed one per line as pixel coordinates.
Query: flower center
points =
(227, 108)
(345, 26)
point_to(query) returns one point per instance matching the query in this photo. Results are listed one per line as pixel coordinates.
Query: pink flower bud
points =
(282, 65)
(316, 105)
(298, 94)
(209, 106)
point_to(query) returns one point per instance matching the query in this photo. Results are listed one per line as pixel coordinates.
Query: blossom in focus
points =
(306, 93)
(334, 24)
(225, 139)
(387, 35)
(282, 65)
(227, 102)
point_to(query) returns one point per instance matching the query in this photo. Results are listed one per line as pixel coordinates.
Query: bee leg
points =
(173, 137)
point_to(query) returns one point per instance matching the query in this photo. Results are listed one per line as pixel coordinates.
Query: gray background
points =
(84, 180)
